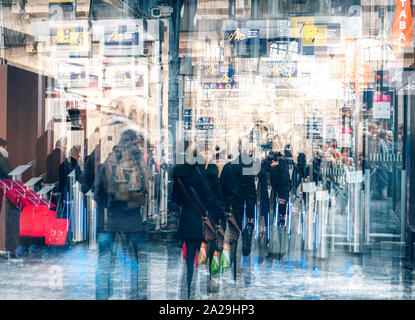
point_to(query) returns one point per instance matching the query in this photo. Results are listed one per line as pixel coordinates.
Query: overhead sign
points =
(238, 35)
(220, 76)
(70, 40)
(122, 76)
(282, 69)
(75, 76)
(402, 25)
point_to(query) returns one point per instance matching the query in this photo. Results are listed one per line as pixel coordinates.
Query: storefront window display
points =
(304, 106)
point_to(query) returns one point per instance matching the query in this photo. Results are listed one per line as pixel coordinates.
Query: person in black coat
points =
(91, 165)
(245, 198)
(66, 167)
(316, 166)
(54, 160)
(281, 184)
(192, 194)
(300, 172)
(265, 182)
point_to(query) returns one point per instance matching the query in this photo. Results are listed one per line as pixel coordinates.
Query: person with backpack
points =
(121, 188)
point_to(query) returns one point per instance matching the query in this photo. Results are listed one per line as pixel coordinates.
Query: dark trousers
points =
(192, 247)
(136, 242)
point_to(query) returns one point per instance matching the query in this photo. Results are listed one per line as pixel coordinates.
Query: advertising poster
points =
(381, 106)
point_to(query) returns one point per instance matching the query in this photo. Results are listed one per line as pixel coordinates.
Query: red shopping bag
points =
(33, 221)
(58, 232)
(50, 219)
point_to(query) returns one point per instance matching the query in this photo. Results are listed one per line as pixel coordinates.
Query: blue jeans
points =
(136, 243)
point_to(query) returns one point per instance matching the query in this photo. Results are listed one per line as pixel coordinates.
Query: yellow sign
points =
(69, 35)
(237, 36)
(212, 70)
(298, 24)
(113, 37)
(315, 35)
(304, 28)
(225, 79)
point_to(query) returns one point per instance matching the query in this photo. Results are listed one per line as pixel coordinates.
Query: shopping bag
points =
(215, 264)
(225, 263)
(202, 254)
(50, 219)
(57, 233)
(32, 221)
(197, 259)
(184, 251)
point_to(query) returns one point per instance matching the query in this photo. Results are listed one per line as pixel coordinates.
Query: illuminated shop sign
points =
(70, 39)
(73, 101)
(402, 25)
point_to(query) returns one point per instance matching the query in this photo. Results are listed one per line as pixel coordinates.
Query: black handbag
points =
(232, 228)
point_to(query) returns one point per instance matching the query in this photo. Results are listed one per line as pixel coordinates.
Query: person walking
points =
(192, 195)
(281, 184)
(121, 188)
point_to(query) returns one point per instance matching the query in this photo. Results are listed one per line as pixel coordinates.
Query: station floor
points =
(69, 274)
(378, 271)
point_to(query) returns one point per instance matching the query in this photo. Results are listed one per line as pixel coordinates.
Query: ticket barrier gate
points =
(92, 220)
(321, 223)
(309, 188)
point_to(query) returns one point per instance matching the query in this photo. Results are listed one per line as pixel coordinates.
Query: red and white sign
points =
(402, 26)
(381, 106)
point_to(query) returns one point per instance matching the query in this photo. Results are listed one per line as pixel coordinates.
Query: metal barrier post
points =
(322, 198)
(403, 205)
(354, 179)
(92, 227)
(367, 206)
(309, 215)
(78, 218)
(332, 220)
